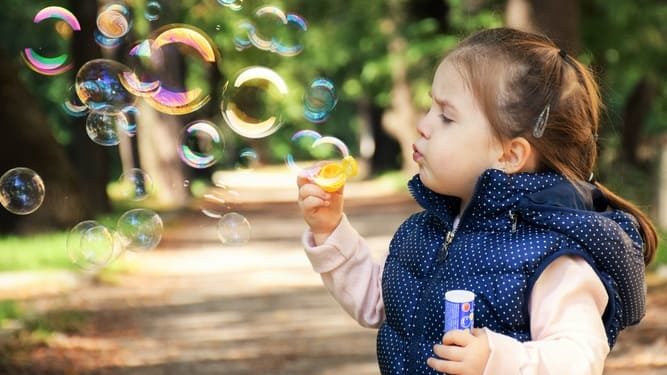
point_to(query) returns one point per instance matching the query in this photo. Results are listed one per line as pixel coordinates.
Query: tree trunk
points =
(557, 19)
(637, 107)
(90, 160)
(28, 142)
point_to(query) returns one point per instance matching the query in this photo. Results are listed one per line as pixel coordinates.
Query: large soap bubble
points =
(253, 100)
(98, 85)
(140, 229)
(234, 229)
(21, 191)
(91, 245)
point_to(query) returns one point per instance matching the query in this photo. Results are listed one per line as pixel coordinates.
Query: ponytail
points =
(647, 228)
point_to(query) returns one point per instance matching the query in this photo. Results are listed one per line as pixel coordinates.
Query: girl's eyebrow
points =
(442, 102)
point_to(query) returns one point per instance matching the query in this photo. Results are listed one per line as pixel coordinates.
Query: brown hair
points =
(514, 75)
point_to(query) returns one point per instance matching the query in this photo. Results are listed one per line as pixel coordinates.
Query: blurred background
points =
(150, 148)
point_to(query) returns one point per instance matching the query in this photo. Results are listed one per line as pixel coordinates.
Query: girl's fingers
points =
(312, 202)
(308, 190)
(449, 352)
(460, 337)
(448, 367)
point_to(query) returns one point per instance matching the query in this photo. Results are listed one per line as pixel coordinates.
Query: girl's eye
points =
(445, 119)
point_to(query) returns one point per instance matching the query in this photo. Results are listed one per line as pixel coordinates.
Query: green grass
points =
(35, 252)
(9, 310)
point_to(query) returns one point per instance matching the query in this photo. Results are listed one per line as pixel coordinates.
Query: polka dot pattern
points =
(514, 227)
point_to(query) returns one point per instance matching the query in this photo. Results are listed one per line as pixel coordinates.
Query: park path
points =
(195, 307)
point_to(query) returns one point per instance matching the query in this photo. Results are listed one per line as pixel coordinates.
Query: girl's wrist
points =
(320, 237)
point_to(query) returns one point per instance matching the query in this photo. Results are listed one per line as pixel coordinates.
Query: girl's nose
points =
(422, 127)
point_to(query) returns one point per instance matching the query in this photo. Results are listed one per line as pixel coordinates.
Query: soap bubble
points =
(73, 105)
(92, 246)
(106, 42)
(113, 21)
(135, 184)
(102, 126)
(144, 64)
(330, 160)
(252, 102)
(247, 159)
(176, 101)
(153, 10)
(233, 229)
(201, 144)
(139, 229)
(21, 191)
(56, 64)
(235, 5)
(272, 31)
(130, 126)
(98, 85)
(319, 101)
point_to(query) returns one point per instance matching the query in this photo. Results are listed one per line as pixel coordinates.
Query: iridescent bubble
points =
(106, 42)
(91, 245)
(330, 163)
(113, 21)
(272, 31)
(73, 105)
(252, 102)
(98, 85)
(130, 126)
(153, 10)
(144, 62)
(201, 144)
(235, 5)
(135, 184)
(243, 30)
(233, 229)
(302, 141)
(247, 159)
(21, 191)
(140, 229)
(102, 126)
(180, 102)
(319, 101)
(55, 64)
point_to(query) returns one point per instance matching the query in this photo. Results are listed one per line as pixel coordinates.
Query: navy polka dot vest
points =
(514, 227)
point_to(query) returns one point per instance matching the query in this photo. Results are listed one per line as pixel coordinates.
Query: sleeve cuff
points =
(338, 247)
(505, 354)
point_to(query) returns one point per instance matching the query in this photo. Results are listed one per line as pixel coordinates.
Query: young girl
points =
(511, 212)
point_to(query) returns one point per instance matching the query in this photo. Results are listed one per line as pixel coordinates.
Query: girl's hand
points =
(461, 353)
(321, 210)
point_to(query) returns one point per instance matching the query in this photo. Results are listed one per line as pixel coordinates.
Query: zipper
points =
(514, 217)
(449, 237)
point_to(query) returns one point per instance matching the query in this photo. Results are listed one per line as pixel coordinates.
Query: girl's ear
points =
(518, 156)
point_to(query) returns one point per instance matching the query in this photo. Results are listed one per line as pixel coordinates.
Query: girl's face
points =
(456, 143)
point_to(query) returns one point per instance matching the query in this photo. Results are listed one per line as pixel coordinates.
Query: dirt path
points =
(195, 307)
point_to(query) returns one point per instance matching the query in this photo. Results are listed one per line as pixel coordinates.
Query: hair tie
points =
(562, 53)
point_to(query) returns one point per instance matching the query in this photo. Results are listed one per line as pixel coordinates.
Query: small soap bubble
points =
(252, 102)
(92, 246)
(319, 101)
(131, 114)
(113, 21)
(135, 184)
(234, 229)
(73, 105)
(201, 144)
(21, 191)
(106, 42)
(102, 126)
(235, 5)
(247, 159)
(139, 229)
(153, 10)
(98, 85)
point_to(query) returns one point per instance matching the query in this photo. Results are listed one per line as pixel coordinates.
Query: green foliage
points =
(42, 251)
(9, 310)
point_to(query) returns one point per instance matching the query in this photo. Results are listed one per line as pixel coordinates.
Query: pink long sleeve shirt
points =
(566, 306)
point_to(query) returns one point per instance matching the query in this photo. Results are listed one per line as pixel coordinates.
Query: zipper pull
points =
(514, 218)
(449, 237)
